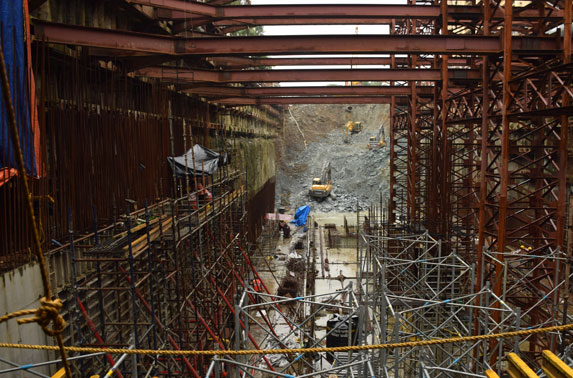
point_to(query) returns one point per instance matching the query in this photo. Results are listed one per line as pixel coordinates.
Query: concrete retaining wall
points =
(22, 289)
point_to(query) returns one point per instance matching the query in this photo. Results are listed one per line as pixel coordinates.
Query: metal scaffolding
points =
(419, 291)
(165, 277)
(304, 318)
(290, 323)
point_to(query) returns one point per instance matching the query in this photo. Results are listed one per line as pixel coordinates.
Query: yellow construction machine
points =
(322, 186)
(377, 141)
(351, 127)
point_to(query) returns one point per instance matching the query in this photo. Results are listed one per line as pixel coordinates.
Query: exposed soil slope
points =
(359, 175)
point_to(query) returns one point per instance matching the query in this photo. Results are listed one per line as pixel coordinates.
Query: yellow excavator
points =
(377, 141)
(351, 127)
(322, 186)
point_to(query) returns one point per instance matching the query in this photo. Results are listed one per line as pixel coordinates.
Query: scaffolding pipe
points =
(18, 367)
(118, 363)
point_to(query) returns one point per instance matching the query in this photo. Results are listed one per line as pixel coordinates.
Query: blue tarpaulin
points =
(14, 48)
(301, 215)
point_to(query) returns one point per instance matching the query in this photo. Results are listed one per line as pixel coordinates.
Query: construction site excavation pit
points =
(310, 271)
(213, 188)
(315, 135)
(311, 279)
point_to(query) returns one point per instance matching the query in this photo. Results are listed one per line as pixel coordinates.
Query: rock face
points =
(360, 176)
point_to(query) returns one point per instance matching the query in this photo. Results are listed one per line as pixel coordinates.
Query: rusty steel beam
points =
(139, 60)
(459, 15)
(281, 45)
(103, 38)
(290, 13)
(235, 24)
(232, 25)
(223, 91)
(241, 62)
(188, 8)
(304, 100)
(369, 11)
(258, 76)
(228, 24)
(312, 11)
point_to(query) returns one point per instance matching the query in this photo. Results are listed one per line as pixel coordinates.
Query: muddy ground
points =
(360, 176)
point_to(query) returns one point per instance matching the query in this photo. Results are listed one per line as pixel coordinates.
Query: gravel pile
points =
(360, 176)
(296, 265)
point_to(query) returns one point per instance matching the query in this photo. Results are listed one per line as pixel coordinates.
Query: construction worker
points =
(286, 231)
(200, 197)
(258, 285)
(204, 194)
(284, 227)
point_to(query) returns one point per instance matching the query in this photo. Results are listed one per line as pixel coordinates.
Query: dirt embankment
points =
(360, 176)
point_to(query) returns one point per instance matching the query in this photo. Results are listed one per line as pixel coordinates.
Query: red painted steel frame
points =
(280, 45)
(226, 91)
(301, 75)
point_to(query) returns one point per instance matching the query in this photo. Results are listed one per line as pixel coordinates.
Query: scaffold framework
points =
(418, 291)
(290, 323)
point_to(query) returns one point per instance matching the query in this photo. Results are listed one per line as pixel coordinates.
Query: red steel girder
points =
(350, 61)
(306, 100)
(188, 75)
(456, 15)
(360, 11)
(231, 25)
(281, 45)
(290, 12)
(308, 91)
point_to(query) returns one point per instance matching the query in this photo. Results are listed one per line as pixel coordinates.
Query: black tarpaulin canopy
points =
(200, 160)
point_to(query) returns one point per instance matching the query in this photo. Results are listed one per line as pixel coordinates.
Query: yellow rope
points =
(407, 344)
(48, 312)
(16, 314)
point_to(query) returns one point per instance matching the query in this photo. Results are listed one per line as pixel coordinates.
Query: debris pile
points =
(296, 265)
(288, 287)
(359, 175)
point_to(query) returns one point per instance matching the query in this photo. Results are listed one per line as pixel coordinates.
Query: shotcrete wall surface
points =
(258, 157)
(21, 289)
